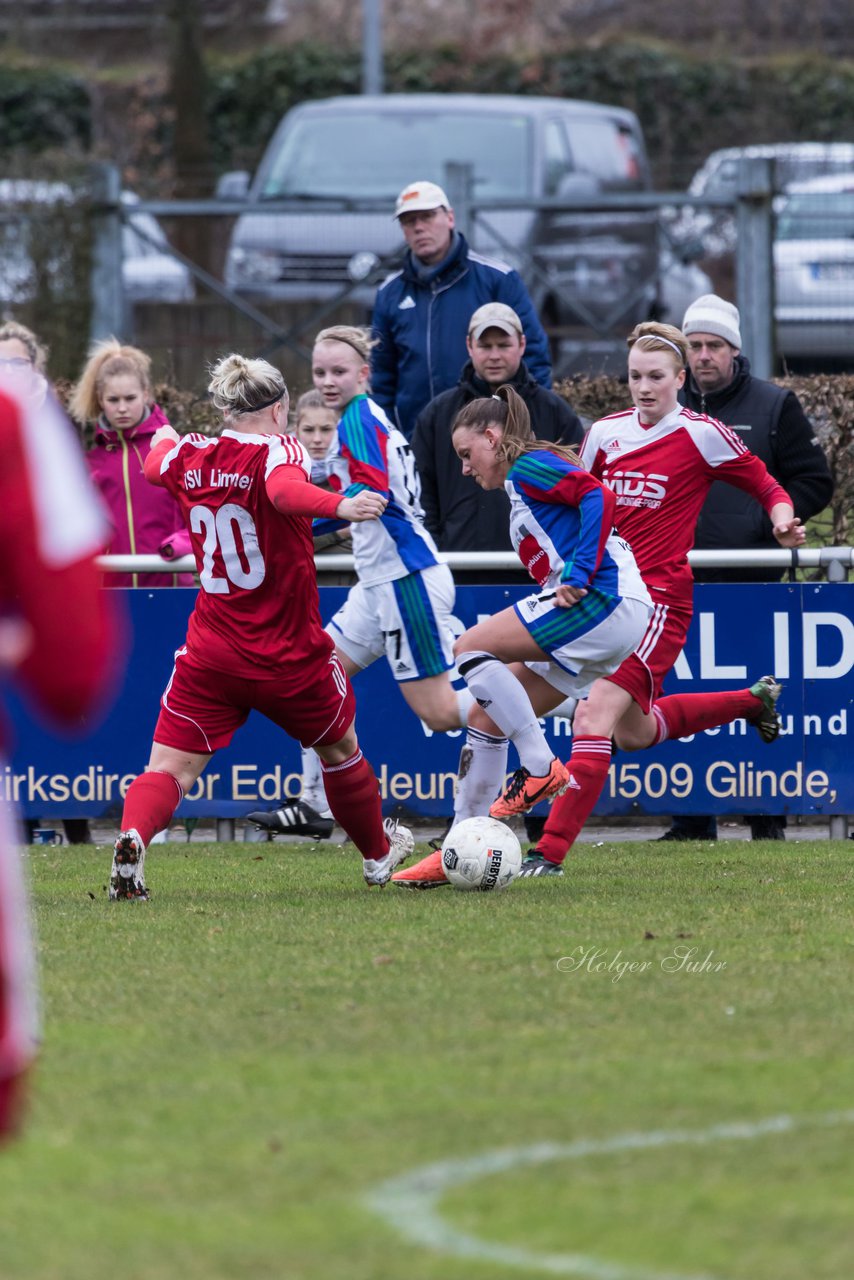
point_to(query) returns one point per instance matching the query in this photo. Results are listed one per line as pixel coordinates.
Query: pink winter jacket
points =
(143, 515)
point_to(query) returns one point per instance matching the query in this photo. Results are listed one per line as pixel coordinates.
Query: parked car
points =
(44, 239)
(814, 269)
(717, 177)
(337, 165)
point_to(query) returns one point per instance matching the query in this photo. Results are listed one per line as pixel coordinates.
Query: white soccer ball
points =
(481, 854)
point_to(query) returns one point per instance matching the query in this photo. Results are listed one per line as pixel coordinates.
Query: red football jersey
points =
(59, 639)
(52, 525)
(258, 607)
(660, 476)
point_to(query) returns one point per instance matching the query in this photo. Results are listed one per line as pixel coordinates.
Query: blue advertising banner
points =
(803, 633)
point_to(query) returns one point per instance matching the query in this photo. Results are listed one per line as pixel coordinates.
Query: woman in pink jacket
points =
(114, 391)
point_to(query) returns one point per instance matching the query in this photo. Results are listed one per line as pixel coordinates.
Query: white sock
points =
(481, 776)
(313, 790)
(465, 701)
(504, 699)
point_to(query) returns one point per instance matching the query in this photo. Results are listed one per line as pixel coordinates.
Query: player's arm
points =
(162, 443)
(292, 493)
(749, 473)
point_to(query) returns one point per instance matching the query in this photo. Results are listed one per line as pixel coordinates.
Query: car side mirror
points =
(578, 186)
(233, 185)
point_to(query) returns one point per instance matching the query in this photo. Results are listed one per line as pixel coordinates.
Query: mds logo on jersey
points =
(635, 489)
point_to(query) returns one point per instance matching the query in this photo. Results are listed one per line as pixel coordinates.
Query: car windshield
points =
(367, 155)
(814, 215)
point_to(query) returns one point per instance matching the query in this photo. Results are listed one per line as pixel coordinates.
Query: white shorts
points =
(582, 649)
(408, 620)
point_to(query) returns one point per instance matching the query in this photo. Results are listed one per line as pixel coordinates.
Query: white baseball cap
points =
(419, 196)
(494, 315)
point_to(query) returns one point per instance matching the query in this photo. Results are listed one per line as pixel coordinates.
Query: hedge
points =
(689, 104)
(826, 399)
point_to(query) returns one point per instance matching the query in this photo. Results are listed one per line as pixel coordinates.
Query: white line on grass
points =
(410, 1203)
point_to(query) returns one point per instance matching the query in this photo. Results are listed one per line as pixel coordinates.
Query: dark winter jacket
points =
(460, 515)
(771, 422)
(421, 319)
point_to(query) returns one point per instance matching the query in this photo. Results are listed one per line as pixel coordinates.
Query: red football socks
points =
(353, 795)
(151, 801)
(687, 713)
(588, 768)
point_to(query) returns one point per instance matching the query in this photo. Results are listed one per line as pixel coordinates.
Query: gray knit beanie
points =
(711, 314)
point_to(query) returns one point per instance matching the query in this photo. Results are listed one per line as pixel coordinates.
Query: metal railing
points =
(752, 208)
(836, 561)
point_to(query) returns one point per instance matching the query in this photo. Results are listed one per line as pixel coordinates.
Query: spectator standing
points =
(421, 314)
(58, 636)
(114, 392)
(772, 423)
(458, 512)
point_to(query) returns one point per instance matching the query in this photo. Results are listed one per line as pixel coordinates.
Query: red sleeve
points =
(72, 665)
(154, 461)
(75, 650)
(749, 473)
(294, 495)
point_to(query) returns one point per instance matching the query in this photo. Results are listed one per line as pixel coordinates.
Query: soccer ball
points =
(481, 854)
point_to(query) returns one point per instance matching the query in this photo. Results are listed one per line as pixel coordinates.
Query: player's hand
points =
(366, 505)
(164, 433)
(566, 596)
(791, 533)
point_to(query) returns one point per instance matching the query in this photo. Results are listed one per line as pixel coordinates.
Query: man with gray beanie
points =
(773, 425)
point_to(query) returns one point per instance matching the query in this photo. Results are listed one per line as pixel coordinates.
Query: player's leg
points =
(199, 712)
(682, 714)
(317, 707)
(484, 767)
(354, 798)
(310, 815)
(19, 1024)
(602, 656)
(482, 653)
(149, 807)
(588, 764)
(415, 620)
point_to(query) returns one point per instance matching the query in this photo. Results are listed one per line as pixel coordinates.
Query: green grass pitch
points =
(232, 1069)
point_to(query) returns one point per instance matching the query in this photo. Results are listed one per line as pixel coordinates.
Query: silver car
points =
(718, 177)
(44, 240)
(814, 269)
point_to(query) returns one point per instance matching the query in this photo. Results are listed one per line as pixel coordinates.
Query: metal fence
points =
(594, 267)
(834, 562)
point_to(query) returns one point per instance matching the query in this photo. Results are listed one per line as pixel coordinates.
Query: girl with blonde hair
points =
(114, 394)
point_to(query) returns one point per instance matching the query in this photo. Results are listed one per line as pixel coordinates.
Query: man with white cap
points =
(422, 311)
(773, 425)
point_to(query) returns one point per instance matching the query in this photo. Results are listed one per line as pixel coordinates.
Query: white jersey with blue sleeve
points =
(372, 454)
